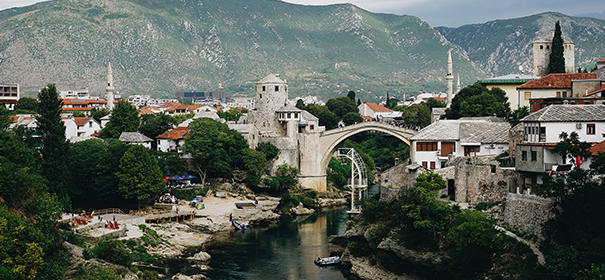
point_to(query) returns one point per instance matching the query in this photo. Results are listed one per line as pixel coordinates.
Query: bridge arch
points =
(313, 165)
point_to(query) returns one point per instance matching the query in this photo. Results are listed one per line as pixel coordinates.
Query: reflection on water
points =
(284, 251)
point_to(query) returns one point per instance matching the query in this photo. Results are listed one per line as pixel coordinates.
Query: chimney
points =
(549, 82)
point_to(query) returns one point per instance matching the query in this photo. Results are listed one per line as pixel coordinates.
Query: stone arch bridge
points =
(316, 149)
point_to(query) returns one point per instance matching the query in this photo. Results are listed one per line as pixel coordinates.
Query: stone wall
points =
(527, 212)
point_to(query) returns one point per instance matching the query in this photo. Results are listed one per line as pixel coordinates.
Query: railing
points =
(108, 211)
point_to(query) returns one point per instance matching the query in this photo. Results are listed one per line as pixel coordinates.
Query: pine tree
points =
(556, 62)
(52, 134)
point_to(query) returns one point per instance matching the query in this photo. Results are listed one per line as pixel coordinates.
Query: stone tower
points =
(109, 88)
(541, 49)
(271, 95)
(449, 78)
(458, 83)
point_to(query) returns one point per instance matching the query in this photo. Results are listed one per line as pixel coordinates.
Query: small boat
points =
(238, 225)
(327, 261)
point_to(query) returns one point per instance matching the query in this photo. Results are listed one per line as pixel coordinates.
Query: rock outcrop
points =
(301, 210)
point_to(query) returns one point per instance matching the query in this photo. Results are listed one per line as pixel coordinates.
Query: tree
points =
(517, 115)
(5, 120)
(415, 114)
(570, 147)
(300, 104)
(556, 61)
(391, 103)
(55, 149)
(139, 175)
(231, 115)
(351, 95)
(213, 147)
(434, 103)
(341, 106)
(97, 114)
(153, 125)
(254, 160)
(351, 118)
(325, 116)
(478, 101)
(268, 149)
(27, 104)
(124, 118)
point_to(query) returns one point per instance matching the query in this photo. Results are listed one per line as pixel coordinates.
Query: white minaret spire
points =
(449, 78)
(109, 88)
(458, 83)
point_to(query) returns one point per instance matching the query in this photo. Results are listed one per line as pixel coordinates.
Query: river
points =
(285, 250)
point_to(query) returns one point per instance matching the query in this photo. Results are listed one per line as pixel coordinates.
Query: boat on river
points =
(327, 261)
(238, 225)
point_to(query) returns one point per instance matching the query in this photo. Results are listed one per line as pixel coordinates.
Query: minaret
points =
(109, 88)
(449, 78)
(458, 84)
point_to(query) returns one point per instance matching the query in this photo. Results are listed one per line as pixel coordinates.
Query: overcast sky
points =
(452, 13)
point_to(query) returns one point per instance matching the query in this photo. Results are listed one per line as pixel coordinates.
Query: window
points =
(558, 94)
(432, 165)
(296, 115)
(524, 155)
(547, 47)
(89, 124)
(276, 88)
(424, 164)
(471, 150)
(590, 129)
(541, 47)
(312, 127)
(426, 146)
(542, 134)
(288, 115)
(534, 155)
(565, 94)
(263, 89)
(527, 95)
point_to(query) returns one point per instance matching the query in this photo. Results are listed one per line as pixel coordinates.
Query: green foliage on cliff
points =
(470, 245)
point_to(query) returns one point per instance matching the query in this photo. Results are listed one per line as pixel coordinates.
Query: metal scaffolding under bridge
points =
(358, 181)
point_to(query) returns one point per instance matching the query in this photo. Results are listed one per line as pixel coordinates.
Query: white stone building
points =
(432, 146)
(535, 155)
(9, 95)
(172, 140)
(373, 110)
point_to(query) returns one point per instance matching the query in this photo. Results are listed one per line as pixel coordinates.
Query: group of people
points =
(166, 198)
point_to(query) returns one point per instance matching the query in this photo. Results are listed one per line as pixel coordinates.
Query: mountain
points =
(501, 46)
(159, 47)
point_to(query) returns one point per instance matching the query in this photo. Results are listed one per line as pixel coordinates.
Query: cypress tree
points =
(556, 63)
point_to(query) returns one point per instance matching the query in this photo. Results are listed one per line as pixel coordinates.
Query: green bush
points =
(112, 251)
(311, 194)
(359, 249)
(308, 202)
(252, 180)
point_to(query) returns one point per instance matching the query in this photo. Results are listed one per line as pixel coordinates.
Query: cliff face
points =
(160, 47)
(501, 46)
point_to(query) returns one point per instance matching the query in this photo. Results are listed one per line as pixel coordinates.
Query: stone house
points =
(509, 84)
(9, 95)
(541, 49)
(535, 155)
(172, 140)
(547, 90)
(431, 146)
(136, 138)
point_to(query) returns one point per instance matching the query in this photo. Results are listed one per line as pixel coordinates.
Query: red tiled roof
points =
(71, 101)
(96, 134)
(175, 134)
(601, 61)
(437, 98)
(366, 118)
(598, 148)
(81, 121)
(77, 109)
(145, 111)
(377, 108)
(556, 81)
(14, 118)
(596, 91)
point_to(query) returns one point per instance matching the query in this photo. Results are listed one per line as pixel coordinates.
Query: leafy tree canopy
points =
(351, 95)
(124, 118)
(570, 147)
(268, 149)
(254, 160)
(351, 118)
(139, 175)
(478, 101)
(517, 115)
(342, 105)
(213, 147)
(27, 103)
(232, 115)
(153, 125)
(325, 116)
(415, 114)
(434, 103)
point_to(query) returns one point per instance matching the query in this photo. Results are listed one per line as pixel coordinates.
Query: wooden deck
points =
(169, 217)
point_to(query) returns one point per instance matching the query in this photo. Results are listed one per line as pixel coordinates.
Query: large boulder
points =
(301, 210)
(200, 257)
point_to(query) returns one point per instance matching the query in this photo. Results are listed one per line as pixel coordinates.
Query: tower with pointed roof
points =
(458, 84)
(541, 49)
(450, 78)
(109, 89)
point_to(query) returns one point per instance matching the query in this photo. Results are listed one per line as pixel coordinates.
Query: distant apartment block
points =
(75, 94)
(193, 97)
(9, 95)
